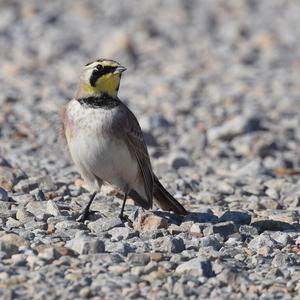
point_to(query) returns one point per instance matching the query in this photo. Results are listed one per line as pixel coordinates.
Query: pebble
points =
(3, 194)
(224, 228)
(52, 209)
(149, 222)
(104, 224)
(263, 240)
(85, 244)
(196, 267)
(239, 218)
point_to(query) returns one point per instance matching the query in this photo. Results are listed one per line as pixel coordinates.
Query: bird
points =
(106, 142)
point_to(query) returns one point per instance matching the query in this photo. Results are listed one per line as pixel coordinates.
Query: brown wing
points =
(128, 128)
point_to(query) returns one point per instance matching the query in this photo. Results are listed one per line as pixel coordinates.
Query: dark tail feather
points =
(165, 200)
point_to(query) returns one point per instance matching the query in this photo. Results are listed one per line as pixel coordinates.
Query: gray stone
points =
(282, 260)
(23, 215)
(179, 160)
(68, 224)
(238, 217)
(38, 209)
(138, 259)
(123, 248)
(52, 208)
(263, 240)
(211, 241)
(3, 194)
(85, 244)
(248, 230)
(8, 248)
(122, 233)
(197, 267)
(105, 224)
(39, 195)
(224, 228)
(12, 223)
(234, 127)
(169, 244)
(281, 237)
(32, 225)
(26, 185)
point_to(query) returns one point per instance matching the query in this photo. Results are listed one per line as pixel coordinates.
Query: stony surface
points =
(215, 86)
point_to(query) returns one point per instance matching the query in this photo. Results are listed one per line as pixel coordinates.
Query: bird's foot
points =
(125, 218)
(83, 216)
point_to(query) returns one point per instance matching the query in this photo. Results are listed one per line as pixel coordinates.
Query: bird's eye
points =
(99, 67)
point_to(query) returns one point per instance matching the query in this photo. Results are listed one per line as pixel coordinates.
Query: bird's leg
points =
(85, 213)
(123, 217)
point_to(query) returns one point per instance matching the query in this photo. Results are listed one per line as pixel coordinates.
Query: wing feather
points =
(127, 127)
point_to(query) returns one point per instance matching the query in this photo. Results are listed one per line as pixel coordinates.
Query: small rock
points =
(105, 224)
(49, 254)
(52, 208)
(179, 160)
(197, 228)
(248, 230)
(10, 243)
(7, 178)
(32, 225)
(197, 267)
(289, 217)
(122, 248)
(272, 193)
(155, 256)
(225, 188)
(238, 217)
(3, 194)
(118, 269)
(38, 209)
(26, 185)
(138, 259)
(282, 238)
(263, 240)
(39, 195)
(224, 228)
(12, 223)
(169, 244)
(211, 241)
(232, 128)
(282, 260)
(68, 224)
(121, 233)
(22, 215)
(149, 222)
(85, 244)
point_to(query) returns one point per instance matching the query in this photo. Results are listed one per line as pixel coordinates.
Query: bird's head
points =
(101, 76)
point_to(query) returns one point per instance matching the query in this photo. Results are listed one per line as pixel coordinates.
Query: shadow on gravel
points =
(272, 225)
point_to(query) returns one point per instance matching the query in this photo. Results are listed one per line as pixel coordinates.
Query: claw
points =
(83, 216)
(125, 218)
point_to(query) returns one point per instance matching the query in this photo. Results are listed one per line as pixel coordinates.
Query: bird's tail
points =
(165, 200)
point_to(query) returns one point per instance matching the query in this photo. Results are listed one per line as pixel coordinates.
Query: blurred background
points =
(215, 84)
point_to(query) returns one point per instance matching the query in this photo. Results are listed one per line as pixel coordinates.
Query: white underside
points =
(99, 156)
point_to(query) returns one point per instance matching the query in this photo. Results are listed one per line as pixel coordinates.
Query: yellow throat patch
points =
(108, 83)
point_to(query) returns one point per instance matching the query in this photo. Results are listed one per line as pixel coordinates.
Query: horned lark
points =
(106, 142)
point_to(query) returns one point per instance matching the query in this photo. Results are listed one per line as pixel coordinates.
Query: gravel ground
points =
(215, 85)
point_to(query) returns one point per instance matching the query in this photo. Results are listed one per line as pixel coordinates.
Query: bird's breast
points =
(95, 150)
